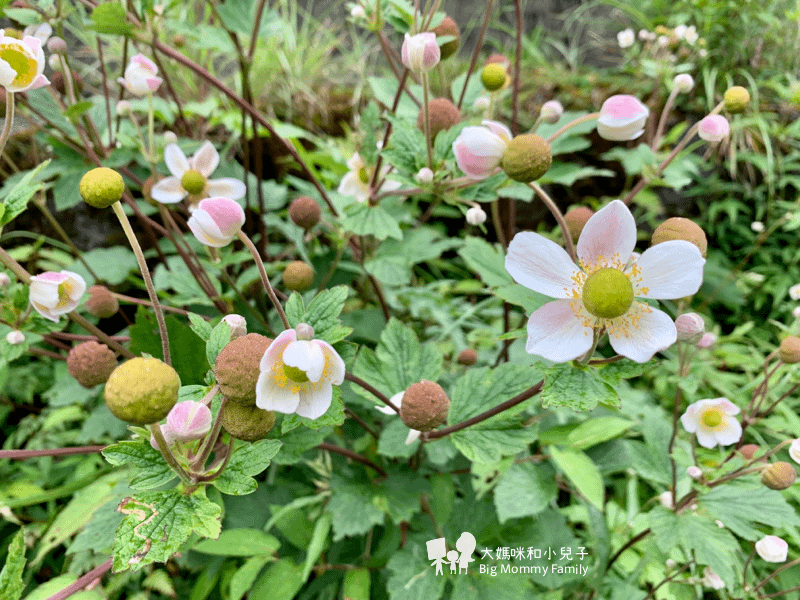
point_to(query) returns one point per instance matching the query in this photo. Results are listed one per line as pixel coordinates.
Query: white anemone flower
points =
(794, 292)
(355, 183)
(54, 294)
(772, 548)
(190, 176)
(712, 580)
(602, 291)
(794, 451)
(626, 38)
(141, 76)
(297, 374)
(711, 421)
(21, 63)
(397, 400)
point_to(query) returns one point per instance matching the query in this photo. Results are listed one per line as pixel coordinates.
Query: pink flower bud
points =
(708, 340)
(425, 175)
(189, 421)
(304, 331)
(622, 118)
(140, 76)
(169, 437)
(551, 111)
(216, 221)
(55, 294)
(772, 549)
(15, 337)
(479, 150)
(683, 83)
(691, 328)
(714, 128)
(237, 324)
(476, 215)
(694, 472)
(5, 280)
(420, 52)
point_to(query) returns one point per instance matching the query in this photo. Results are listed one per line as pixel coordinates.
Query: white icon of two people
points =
(437, 552)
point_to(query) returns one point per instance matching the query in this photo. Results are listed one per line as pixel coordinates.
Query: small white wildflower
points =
(15, 337)
(476, 216)
(757, 226)
(425, 175)
(626, 38)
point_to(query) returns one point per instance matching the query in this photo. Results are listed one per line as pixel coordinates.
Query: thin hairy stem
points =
(264, 279)
(82, 581)
(353, 455)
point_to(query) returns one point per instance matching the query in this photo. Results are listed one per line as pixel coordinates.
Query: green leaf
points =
(297, 442)
(363, 219)
(110, 18)
(479, 390)
(486, 260)
(333, 417)
(385, 89)
(154, 471)
(17, 198)
(352, 507)
(239, 542)
(568, 173)
(322, 313)
(582, 472)
(739, 506)
(356, 584)
(111, 265)
(11, 585)
(281, 581)
(578, 388)
(392, 440)
(614, 373)
(412, 577)
(295, 309)
(521, 296)
(318, 543)
(200, 326)
(596, 431)
(243, 579)
(219, 338)
(247, 460)
(525, 489)
(156, 524)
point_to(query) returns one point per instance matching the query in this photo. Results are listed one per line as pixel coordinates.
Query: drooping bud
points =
(622, 117)
(142, 390)
(551, 111)
(101, 303)
(304, 212)
(91, 363)
(527, 158)
(493, 76)
(448, 27)
(736, 99)
(713, 128)
(237, 367)
(683, 83)
(691, 328)
(772, 549)
(678, 228)
(476, 215)
(247, 423)
(694, 472)
(425, 405)
(467, 357)
(420, 53)
(789, 350)
(189, 421)
(237, 324)
(57, 45)
(576, 220)
(778, 476)
(442, 114)
(298, 276)
(101, 187)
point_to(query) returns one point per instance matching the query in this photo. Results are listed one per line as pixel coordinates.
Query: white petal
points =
(654, 331)
(413, 436)
(271, 396)
(351, 185)
(397, 400)
(671, 269)
(275, 350)
(7, 74)
(498, 128)
(555, 333)
(355, 163)
(334, 365)
(314, 402)
(608, 232)
(226, 187)
(706, 438)
(540, 264)
(730, 433)
(176, 160)
(306, 356)
(168, 191)
(206, 159)
(206, 230)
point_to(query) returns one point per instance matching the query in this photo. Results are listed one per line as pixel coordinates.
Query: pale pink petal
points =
(334, 365)
(153, 83)
(482, 142)
(35, 44)
(706, 438)
(306, 356)
(168, 191)
(227, 187)
(672, 269)
(610, 232)
(51, 277)
(727, 406)
(654, 331)
(40, 81)
(204, 228)
(271, 396)
(313, 403)
(226, 213)
(498, 129)
(413, 436)
(540, 264)
(145, 63)
(7, 74)
(555, 333)
(176, 160)
(43, 293)
(206, 159)
(275, 350)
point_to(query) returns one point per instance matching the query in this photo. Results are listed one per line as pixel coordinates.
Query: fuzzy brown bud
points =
(442, 113)
(789, 350)
(298, 276)
(448, 27)
(778, 476)
(468, 357)
(248, 423)
(101, 302)
(678, 228)
(304, 212)
(91, 363)
(425, 405)
(749, 451)
(237, 367)
(576, 220)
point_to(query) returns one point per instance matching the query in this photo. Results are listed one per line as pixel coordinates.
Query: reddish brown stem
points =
(22, 454)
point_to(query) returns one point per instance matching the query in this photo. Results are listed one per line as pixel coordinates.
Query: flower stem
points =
(775, 573)
(375, 392)
(426, 109)
(264, 279)
(9, 120)
(572, 124)
(155, 428)
(554, 210)
(211, 439)
(22, 454)
(663, 119)
(148, 281)
(82, 582)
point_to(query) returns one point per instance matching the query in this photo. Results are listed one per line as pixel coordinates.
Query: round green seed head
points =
(237, 367)
(193, 181)
(493, 77)
(298, 276)
(527, 158)
(736, 99)
(142, 390)
(248, 423)
(607, 293)
(678, 228)
(101, 187)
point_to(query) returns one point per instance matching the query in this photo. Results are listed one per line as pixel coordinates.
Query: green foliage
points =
(153, 470)
(11, 585)
(322, 314)
(246, 461)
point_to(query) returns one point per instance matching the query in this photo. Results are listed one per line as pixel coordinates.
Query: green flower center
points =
(23, 65)
(607, 293)
(363, 175)
(711, 418)
(63, 294)
(193, 181)
(295, 374)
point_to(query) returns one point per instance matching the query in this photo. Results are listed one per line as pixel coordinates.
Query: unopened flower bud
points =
(53, 61)
(527, 158)
(789, 350)
(15, 337)
(778, 476)
(101, 303)
(142, 390)
(189, 421)
(237, 367)
(665, 499)
(713, 128)
(448, 27)
(736, 99)
(576, 219)
(481, 103)
(694, 472)
(304, 331)
(358, 12)
(247, 423)
(683, 83)
(170, 138)
(101, 187)
(425, 175)
(691, 328)
(420, 53)
(678, 228)
(442, 114)
(748, 451)
(772, 549)
(56, 45)
(166, 432)
(237, 324)
(5, 280)
(708, 340)
(476, 215)
(298, 276)
(425, 405)
(304, 212)
(124, 108)
(493, 76)
(551, 111)
(670, 564)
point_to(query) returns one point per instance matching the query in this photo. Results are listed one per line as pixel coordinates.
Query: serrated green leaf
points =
(738, 506)
(486, 260)
(297, 442)
(356, 585)
(412, 577)
(318, 543)
(576, 387)
(400, 497)
(567, 174)
(582, 472)
(11, 585)
(159, 581)
(156, 524)
(363, 219)
(219, 338)
(243, 579)
(200, 326)
(17, 198)
(239, 542)
(194, 393)
(154, 471)
(111, 265)
(110, 18)
(525, 489)
(352, 506)
(247, 460)
(614, 373)
(295, 309)
(490, 440)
